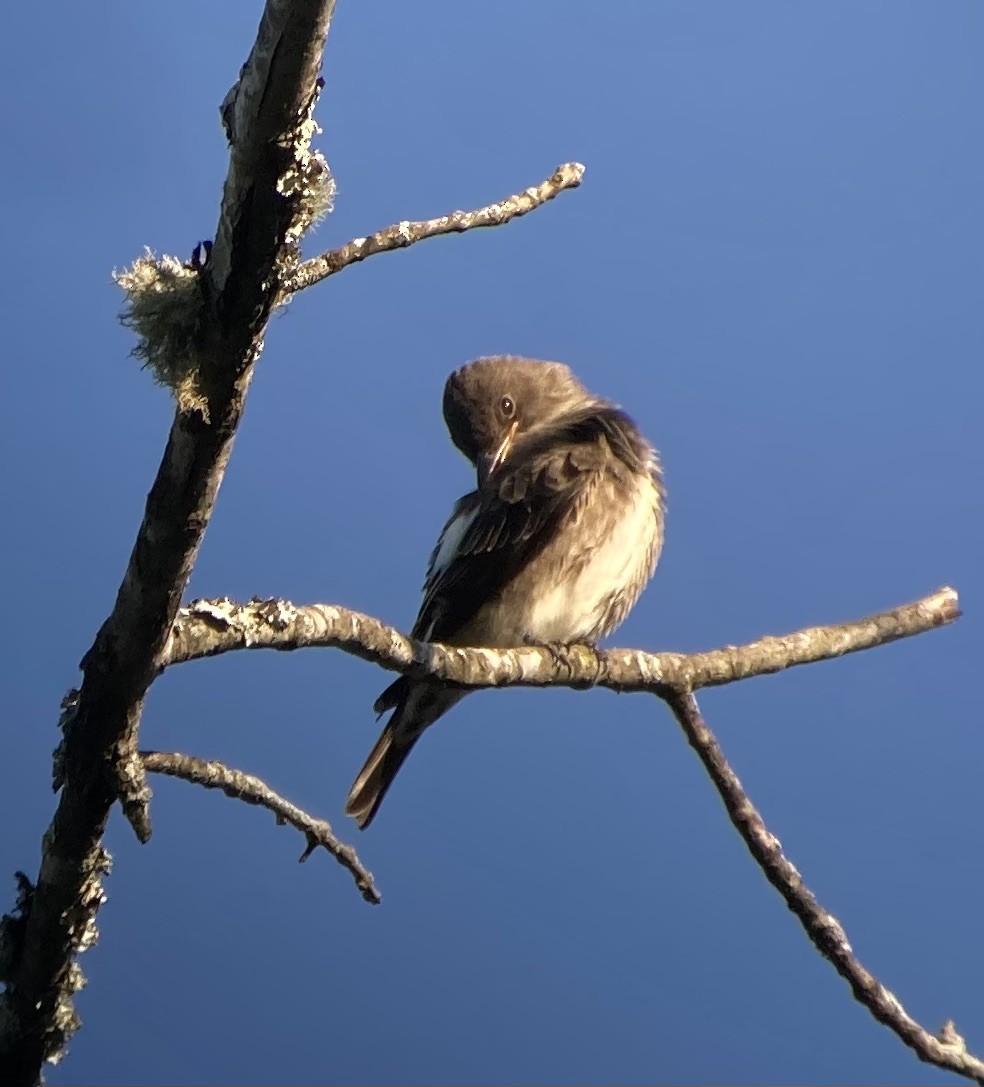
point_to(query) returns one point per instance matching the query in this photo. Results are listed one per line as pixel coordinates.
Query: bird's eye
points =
(507, 406)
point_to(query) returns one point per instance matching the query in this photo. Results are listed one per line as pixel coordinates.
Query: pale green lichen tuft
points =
(308, 182)
(80, 927)
(65, 1021)
(164, 309)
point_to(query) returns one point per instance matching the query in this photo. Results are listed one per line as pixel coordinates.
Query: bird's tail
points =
(421, 705)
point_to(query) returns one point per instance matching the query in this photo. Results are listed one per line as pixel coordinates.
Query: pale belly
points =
(583, 584)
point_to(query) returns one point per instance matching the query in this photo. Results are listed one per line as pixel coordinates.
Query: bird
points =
(553, 547)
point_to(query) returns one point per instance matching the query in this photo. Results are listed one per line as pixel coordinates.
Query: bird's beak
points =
(489, 462)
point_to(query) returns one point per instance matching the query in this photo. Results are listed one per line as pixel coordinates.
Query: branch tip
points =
(405, 233)
(246, 787)
(946, 1049)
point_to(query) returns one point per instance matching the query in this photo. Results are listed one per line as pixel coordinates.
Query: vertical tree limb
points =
(268, 122)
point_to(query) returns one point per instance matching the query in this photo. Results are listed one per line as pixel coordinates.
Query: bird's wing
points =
(493, 533)
(487, 538)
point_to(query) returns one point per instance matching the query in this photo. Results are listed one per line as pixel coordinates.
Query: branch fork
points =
(207, 628)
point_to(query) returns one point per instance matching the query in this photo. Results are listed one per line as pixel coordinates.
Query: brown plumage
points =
(554, 546)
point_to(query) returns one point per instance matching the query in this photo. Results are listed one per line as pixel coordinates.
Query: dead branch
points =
(242, 786)
(207, 628)
(269, 128)
(946, 1049)
(400, 235)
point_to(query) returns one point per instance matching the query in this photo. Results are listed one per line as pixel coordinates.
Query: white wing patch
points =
(450, 541)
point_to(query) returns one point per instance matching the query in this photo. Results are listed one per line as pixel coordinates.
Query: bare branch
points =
(246, 787)
(400, 235)
(268, 121)
(131, 785)
(946, 1049)
(209, 627)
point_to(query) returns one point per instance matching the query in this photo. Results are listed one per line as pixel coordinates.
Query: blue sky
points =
(775, 265)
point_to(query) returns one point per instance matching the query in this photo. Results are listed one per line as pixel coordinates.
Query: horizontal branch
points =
(207, 628)
(246, 787)
(400, 235)
(945, 1049)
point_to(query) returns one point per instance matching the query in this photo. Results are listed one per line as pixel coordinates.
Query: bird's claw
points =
(566, 655)
(562, 654)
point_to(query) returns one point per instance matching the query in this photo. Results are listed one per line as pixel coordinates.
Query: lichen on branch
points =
(163, 308)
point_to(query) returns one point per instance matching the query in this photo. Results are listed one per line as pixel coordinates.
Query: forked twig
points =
(242, 786)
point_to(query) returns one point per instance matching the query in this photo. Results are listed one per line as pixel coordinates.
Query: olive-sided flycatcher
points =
(553, 547)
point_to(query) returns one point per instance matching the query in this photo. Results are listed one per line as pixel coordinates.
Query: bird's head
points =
(492, 403)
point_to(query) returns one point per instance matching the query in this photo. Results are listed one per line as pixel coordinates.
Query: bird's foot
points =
(566, 656)
(563, 654)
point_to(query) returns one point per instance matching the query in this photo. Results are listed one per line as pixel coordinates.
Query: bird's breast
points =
(587, 578)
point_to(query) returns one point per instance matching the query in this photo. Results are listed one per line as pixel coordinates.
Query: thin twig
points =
(246, 787)
(946, 1049)
(400, 235)
(210, 627)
